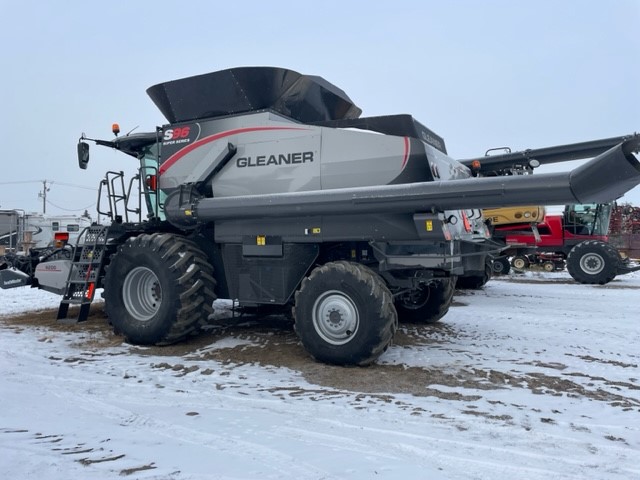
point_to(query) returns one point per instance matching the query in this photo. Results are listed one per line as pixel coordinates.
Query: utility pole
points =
(43, 195)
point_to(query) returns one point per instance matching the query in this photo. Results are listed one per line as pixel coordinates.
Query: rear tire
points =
(158, 289)
(344, 314)
(474, 282)
(593, 262)
(427, 304)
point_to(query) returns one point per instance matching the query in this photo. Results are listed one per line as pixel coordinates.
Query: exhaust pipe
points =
(603, 179)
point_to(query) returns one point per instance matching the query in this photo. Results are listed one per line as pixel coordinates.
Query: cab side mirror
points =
(83, 155)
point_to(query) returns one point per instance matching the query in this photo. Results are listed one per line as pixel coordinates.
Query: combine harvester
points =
(267, 187)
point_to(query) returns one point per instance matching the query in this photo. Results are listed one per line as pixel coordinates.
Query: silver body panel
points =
(52, 276)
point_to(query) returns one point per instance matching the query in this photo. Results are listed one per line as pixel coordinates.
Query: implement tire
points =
(593, 262)
(501, 266)
(158, 289)
(344, 314)
(427, 304)
(520, 263)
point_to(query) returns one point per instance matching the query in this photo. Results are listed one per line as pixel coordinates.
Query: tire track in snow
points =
(399, 444)
(271, 458)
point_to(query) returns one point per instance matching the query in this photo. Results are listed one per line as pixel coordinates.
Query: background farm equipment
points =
(530, 236)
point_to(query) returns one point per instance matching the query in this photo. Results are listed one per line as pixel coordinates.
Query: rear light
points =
(446, 232)
(152, 182)
(465, 221)
(60, 239)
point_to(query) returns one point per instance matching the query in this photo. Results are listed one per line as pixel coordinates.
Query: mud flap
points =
(10, 278)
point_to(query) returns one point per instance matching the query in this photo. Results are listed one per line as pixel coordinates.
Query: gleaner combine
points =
(267, 187)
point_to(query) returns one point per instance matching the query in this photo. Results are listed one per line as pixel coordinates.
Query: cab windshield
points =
(154, 197)
(588, 218)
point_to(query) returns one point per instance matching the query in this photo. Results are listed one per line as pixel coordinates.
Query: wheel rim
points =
(415, 299)
(498, 266)
(335, 317)
(519, 263)
(549, 266)
(592, 263)
(142, 293)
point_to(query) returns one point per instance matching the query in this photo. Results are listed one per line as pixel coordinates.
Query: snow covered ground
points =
(533, 377)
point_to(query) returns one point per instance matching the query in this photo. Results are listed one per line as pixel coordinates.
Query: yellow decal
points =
(428, 225)
(187, 213)
(261, 240)
(315, 230)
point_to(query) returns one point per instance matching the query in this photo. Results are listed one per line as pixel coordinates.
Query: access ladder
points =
(86, 268)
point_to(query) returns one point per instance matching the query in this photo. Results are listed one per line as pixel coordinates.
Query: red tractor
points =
(577, 238)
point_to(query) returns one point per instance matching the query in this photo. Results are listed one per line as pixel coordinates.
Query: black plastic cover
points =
(305, 98)
(400, 125)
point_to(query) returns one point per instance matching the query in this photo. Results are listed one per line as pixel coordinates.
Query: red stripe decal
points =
(407, 151)
(212, 138)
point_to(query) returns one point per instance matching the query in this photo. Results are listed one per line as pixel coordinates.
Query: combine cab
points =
(267, 187)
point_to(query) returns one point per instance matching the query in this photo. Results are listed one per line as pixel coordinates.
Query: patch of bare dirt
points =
(271, 341)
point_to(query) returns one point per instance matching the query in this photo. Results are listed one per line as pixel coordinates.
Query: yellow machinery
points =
(514, 215)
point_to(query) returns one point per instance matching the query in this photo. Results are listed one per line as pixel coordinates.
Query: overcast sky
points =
(481, 74)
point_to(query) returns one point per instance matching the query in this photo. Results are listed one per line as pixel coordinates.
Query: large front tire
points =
(593, 262)
(344, 314)
(158, 289)
(427, 304)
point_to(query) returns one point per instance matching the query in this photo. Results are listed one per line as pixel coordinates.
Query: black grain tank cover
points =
(305, 98)
(402, 125)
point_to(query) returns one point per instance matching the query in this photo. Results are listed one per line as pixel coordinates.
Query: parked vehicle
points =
(266, 187)
(577, 239)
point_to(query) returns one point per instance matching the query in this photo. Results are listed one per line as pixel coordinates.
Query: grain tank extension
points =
(268, 188)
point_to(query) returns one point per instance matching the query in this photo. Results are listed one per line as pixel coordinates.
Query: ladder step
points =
(82, 315)
(88, 259)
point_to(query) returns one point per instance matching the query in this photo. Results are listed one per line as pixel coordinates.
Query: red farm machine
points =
(577, 238)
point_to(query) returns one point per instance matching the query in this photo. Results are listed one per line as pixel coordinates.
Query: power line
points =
(69, 209)
(19, 182)
(93, 189)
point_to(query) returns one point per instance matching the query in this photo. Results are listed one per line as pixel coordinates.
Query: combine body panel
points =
(267, 187)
